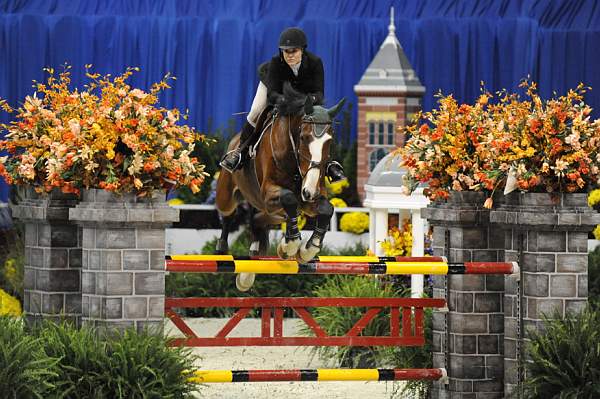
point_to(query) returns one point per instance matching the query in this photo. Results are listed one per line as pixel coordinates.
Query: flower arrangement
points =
(399, 241)
(354, 222)
(532, 145)
(109, 136)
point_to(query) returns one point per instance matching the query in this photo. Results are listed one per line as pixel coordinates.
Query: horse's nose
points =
(306, 196)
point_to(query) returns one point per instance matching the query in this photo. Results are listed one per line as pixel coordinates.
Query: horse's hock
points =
(481, 339)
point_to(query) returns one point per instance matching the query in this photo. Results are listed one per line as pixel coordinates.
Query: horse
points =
(284, 177)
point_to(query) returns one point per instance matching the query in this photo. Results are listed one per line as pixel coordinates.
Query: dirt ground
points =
(255, 357)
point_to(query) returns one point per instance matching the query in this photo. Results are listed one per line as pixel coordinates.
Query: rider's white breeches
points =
(258, 104)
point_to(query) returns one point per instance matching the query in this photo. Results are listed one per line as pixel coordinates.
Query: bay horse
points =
(284, 177)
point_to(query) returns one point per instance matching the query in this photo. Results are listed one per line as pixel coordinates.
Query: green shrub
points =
(25, 369)
(128, 365)
(338, 320)
(565, 358)
(594, 274)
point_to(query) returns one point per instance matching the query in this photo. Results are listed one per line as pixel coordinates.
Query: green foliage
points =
(565, 358)
(338, 320)
(25, 370)
(128, 365)
(594, 274)
(12, 260)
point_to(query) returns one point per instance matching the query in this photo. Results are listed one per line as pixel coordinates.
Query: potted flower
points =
(108, 136)
(503, 141)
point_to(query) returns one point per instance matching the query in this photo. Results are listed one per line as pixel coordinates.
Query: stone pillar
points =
(467, 340)
(547, 235)
(52, 271)
(123, 276)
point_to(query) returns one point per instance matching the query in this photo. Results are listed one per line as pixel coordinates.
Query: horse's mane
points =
(293, 103)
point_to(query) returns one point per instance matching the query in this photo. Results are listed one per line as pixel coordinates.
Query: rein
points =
(312, 164)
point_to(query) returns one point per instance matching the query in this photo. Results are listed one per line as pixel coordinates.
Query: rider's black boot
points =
(335, 172)
(235, 159)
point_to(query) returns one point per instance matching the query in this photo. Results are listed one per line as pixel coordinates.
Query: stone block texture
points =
(123, 273)
(468, 339)
(547, 235)
(52, 270)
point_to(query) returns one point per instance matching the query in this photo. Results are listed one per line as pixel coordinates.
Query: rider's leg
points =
(235, 159)
(335, 172)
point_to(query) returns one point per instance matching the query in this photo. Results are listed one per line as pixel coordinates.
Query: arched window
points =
(375, 157)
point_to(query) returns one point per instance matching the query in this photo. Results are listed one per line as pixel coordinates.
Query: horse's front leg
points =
(284, 198)
(315, 242)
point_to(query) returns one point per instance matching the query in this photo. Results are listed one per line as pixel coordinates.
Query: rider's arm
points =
(315, 90)
(274, 82)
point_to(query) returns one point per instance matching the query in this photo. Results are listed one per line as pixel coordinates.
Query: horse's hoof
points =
(280, 252)
(308, 252)
(244, 281)
(254, 249)
(291, 247)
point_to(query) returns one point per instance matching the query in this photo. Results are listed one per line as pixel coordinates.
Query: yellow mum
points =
(9, 305)
(176, 201)
(594, 197)
(338, 202)
(336, 187)
(354, 222)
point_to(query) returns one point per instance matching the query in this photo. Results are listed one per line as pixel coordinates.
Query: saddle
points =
(263, 123)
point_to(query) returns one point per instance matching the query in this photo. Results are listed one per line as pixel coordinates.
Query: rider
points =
(304, 70)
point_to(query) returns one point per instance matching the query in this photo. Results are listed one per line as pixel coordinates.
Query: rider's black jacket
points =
(309, 80)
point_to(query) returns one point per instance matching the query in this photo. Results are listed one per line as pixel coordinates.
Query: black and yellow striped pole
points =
(333, 265)
(215, 376)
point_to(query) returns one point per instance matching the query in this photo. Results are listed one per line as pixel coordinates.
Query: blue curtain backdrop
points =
(213, 47)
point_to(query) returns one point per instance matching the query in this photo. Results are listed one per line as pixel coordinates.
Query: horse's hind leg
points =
(260, 235)
(226, 205)
(315, 242)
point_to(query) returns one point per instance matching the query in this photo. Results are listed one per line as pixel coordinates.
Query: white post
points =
(381, 229)
(333, 222)
(418, 249)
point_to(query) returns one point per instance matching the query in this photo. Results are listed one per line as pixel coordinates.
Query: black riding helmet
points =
(292, 38)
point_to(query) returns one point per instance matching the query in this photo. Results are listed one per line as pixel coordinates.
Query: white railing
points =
(332, 226)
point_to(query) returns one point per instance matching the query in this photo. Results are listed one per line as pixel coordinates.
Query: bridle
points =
(306, 119)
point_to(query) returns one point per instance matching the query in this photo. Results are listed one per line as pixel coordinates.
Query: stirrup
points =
(232, 160)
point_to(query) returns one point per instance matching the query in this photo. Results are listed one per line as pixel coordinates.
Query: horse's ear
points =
(333, 111)
(308, 106)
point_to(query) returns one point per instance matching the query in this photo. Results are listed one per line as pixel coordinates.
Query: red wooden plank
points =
(273, 375)
(363, 322)
(179, 323)
(234, 321)
(278, 322)
(419, 322)
(488, 267)
(308, 319)
(394, 322)
(298, 341)
(406, 322)
(418, 374)
(302, 302)
(265, 324)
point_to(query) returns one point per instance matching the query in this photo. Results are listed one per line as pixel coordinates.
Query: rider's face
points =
(292, 56)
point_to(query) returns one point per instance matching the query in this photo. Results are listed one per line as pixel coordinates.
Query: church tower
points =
(389, 93)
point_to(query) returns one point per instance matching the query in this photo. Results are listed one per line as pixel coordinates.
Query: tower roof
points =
(390, 70)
